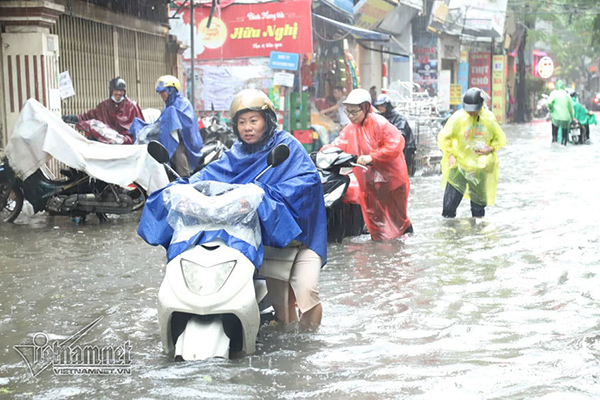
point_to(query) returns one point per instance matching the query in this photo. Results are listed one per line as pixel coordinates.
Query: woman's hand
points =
(484, 151)
(364, 160)
(451, 160)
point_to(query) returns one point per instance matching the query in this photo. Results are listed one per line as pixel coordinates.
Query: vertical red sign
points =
(480, 74)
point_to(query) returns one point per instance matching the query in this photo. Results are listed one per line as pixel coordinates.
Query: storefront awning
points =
(364, 36)
(358, 33)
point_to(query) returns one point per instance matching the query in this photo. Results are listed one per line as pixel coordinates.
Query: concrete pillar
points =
(370, 69)
(29, 58)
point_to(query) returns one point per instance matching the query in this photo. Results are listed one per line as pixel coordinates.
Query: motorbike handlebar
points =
(360, 165)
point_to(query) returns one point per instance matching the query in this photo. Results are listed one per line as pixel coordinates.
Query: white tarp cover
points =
(40, 134)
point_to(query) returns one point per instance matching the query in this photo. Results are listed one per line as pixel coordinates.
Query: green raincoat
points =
(474, 175)
(581, 114)
(561, 106)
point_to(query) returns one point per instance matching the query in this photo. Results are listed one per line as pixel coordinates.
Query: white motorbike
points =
(211, 298)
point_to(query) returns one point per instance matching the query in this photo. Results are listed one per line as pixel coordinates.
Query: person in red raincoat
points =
(384, 186)
(117, 112)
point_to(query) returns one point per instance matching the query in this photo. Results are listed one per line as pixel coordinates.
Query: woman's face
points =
(355, 113)
(251, 126)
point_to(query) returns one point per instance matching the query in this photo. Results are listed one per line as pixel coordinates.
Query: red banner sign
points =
(480, 73)
(252, 30)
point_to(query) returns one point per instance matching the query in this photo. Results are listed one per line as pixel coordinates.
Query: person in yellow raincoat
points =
(469, 141)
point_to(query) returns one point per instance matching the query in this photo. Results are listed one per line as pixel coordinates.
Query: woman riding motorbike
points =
(292, 212)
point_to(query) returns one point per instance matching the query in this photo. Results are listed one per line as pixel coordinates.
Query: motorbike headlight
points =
(331, 197)
(204, 280)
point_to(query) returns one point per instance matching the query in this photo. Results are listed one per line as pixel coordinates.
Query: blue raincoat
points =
(292, 208)
(177, 115)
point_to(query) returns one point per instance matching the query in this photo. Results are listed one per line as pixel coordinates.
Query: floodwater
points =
(506, 307)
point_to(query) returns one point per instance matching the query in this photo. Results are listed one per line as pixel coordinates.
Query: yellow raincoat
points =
(474, 175)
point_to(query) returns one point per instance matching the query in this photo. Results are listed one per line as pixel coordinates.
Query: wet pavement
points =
(506, 307)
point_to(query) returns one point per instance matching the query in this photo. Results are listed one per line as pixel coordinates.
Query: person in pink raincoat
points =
(384, 186)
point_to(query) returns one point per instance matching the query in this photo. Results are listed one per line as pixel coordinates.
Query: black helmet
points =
(117, 83)
(473, 99)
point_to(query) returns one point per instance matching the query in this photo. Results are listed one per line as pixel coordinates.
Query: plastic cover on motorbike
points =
(178, 115)
(40, 135)
(211, 206)
(292, 207)
(102, 132)
(386, 218)
(462, 136)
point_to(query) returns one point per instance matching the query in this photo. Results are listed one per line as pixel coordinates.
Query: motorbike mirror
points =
(158, 152)
(279, 154)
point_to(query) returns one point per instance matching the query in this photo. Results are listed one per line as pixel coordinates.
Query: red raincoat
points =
(385, 186)
(118, 116)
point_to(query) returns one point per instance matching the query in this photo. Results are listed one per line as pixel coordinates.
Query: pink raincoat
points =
(385, 186)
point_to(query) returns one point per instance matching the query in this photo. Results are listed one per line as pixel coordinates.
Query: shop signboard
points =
(499, 88)
(545, 67)
(280, 60)
(455, 94)
(247, 30)
(283, 79)
(425, 65)
(479, 71)
(368, 14)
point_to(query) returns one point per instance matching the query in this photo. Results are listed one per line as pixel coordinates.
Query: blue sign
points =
(463, 78)
(280, 60)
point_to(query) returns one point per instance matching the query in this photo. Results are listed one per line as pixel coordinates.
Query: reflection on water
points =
(504, 307)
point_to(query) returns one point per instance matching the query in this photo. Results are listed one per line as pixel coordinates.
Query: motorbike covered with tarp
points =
(100, 178)
(40, 135)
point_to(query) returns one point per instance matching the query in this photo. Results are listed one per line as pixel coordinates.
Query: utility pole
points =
(193, 73)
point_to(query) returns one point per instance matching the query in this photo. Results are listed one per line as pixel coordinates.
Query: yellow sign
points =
(499, 88)
(455, 94)
(369, 13)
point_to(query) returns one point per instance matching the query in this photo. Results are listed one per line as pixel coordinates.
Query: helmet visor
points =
(472, 107)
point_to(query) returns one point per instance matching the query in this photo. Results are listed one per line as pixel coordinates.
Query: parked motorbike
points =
(210, 301)
(344, 218)
(77, 195)
(213, 129)
(217, 138)
(541, 108)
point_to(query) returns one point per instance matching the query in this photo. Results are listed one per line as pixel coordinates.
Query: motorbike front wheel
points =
(11, 203)
(138, 195)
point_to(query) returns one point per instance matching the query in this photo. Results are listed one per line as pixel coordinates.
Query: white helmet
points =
(357, 97)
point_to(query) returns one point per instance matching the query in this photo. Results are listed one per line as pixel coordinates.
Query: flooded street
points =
(506, 307)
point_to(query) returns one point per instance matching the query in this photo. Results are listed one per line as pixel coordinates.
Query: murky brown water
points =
(507, 307)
